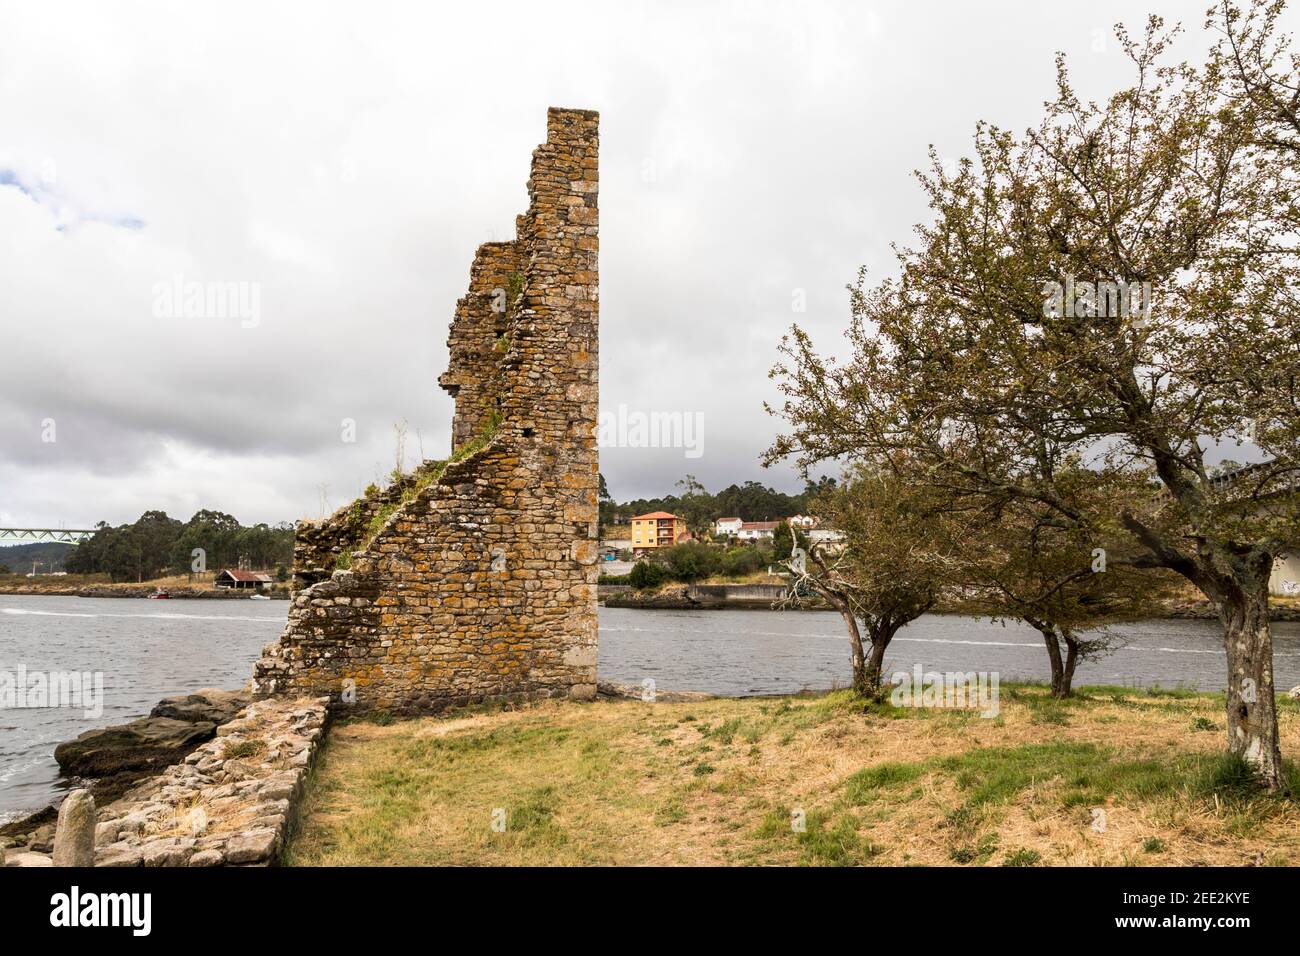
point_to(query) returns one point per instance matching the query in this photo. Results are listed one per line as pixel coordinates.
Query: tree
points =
(695, 506)
(154, 543)
(690, 560)
(1111, 289)
(644, 574)
(1069, 586)
(1257, 69)
(782, 541)
(896, 556)
(604, 506)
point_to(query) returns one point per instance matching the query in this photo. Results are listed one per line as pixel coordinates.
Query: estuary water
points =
(145, 650)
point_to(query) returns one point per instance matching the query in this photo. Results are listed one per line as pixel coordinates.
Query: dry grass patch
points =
(1117, 777)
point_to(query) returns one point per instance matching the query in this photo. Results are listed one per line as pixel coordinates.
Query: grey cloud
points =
(349, 164)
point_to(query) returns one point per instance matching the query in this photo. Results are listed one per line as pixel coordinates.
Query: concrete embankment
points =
(768, 597)
(704, 596)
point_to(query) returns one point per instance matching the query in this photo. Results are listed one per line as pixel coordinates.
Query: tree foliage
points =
(898, 552)
(155, 545)
(1003, 362)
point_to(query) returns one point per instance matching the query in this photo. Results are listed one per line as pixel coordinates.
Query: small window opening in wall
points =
(528, 433)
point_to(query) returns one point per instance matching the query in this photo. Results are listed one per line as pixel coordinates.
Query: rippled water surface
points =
(146, 650)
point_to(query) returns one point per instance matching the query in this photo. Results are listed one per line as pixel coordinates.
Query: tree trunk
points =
(1071, 662)
(1252, 706)
(1060, 678)
(881, 632)
(876, 660)
(860, 681)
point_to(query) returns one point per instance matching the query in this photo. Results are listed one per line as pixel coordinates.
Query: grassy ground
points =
(1119, 777)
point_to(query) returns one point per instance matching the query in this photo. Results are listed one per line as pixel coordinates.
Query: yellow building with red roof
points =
(658, 529)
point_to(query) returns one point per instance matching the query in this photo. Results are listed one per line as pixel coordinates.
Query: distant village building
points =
(658, 529)
(757, 530)
(242, 580)
(807, 525)
(725, 526)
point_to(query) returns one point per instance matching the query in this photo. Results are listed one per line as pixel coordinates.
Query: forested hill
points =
(157, 545)
(49, 556)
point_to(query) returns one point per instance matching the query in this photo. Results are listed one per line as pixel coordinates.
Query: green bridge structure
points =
(62, 535)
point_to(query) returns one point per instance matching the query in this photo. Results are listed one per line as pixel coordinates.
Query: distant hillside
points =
(19, 557)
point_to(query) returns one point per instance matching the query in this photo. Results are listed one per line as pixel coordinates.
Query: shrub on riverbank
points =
(694, 561)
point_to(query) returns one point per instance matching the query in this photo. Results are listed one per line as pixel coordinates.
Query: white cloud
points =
(348, 160)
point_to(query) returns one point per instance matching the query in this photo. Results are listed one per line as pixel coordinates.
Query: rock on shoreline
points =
(230, 800)
(110, 760)
(173, 728)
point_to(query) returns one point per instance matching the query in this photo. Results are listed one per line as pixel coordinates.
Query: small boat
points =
(258, 597)
(159, 595)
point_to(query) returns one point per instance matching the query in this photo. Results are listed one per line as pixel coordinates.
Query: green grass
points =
(1022, 858)
(868, 782)
(1081, 774)
(1113, 691)
(822, 838)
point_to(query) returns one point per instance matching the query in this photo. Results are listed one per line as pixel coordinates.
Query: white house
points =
(727, 526)
(757, 530)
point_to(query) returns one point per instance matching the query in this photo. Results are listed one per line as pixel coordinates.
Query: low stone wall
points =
(230, 802)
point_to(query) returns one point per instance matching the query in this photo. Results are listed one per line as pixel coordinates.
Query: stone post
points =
(74, 834)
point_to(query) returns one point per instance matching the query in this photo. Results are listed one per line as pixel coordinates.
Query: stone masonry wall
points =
(482, 583)
(320, 545)
(231, 802)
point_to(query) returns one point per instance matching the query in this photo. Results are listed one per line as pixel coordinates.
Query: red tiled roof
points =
(654, 514)
(256, 577)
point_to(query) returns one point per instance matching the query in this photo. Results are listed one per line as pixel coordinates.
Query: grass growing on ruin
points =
(425, 476)
(1119, 777)
(244, 748)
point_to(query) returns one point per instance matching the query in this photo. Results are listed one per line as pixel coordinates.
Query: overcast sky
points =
(344, 161)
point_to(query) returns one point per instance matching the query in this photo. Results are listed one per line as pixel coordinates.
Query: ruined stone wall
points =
(479, 337)
(482, 583)
(321, 546)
